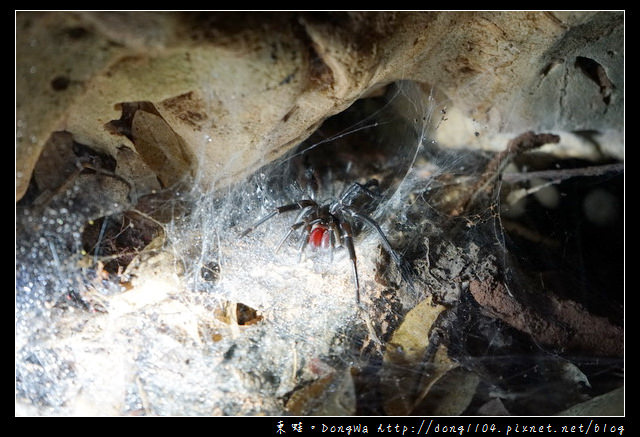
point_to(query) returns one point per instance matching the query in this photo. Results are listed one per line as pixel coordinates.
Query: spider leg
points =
(302, 204)
(258, 223)
(289, 232)
(356, 189)
(299, 222)
(372, 223)
(400, 263)
(304, 239)
(347, 240)
(334, 233)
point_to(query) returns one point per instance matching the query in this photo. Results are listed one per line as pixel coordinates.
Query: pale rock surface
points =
(233, 90)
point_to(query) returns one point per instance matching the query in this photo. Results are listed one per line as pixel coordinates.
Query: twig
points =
(566, 173)
(520, 144)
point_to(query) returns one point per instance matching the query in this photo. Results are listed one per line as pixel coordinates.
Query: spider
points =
(332, 224)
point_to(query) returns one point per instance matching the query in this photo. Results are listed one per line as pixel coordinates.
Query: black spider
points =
(332, 224)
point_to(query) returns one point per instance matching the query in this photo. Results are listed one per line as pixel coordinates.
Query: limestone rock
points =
(236, 90)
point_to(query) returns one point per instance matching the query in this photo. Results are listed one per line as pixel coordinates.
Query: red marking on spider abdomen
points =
(319, 236)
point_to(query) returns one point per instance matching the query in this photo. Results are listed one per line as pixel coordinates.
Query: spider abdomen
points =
(319, 237)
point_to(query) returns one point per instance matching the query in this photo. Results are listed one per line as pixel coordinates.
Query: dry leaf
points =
(608, 404)
(160, 147)
(450, 393)
(404, 376)
(332, 395)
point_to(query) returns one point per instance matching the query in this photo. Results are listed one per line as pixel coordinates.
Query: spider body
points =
(320, 236)
(332, 224)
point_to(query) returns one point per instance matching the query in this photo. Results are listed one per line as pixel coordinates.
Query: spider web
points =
(212, 323)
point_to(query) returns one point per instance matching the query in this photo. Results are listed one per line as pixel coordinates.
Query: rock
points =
(239, 89)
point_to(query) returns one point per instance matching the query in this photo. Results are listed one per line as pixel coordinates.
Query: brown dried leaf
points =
(161, 148)
(608, 404)
(405, 377)
(332, 395)
(449, 393)
(409, 342)
(132, 168)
